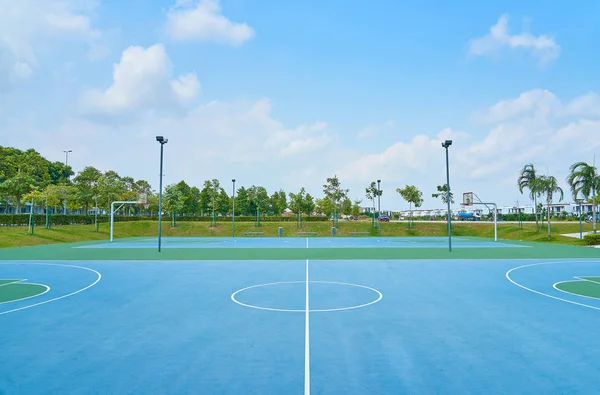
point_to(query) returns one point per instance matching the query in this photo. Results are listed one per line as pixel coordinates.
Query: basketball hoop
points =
(142, 200)
(467, 199)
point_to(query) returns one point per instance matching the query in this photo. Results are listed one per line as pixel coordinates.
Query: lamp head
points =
(447, 143)
(161, 139)
(233, 180)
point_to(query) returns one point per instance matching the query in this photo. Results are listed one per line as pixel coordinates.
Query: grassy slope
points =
(17, 236)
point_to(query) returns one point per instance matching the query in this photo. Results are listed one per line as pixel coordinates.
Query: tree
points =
(324, 206)
(583, 179)
(526, 179)
(278, 202)
(371, 193)
(241, 201)
(223, 202)
(356, 207)
(174, 201)
(442, 192)
(412, 195)
(346, 206)
(210, 195)
(110, 189)
(20, 172)
(86, 183)
(308, 205)
(334, 192)
(297, 201)
(59, 173)
(548, 186)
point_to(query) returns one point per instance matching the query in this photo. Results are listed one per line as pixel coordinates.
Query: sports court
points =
(297, 315)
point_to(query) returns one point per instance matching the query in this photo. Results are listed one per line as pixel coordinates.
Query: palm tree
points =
(527, 178)
(548, 186)
(584, 180)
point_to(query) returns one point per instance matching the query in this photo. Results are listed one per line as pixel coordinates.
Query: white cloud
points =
(243, 140)
(534, 127)
(30, 27)
(141, 80)
(542, 47)
(221, 140)
(203, 22)
(540, 104)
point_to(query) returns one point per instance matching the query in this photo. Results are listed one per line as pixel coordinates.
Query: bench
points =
(254, 233)
(359, 233)
(307, 233)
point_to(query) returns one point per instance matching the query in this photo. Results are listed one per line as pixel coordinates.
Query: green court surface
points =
(583, 286)
(13, 290)
(478, 249)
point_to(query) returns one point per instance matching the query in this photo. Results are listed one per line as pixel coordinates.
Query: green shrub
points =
(592, 239)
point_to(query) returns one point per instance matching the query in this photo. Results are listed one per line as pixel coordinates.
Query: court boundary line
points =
(307, 335)
(13, 282)
(507, 275)
(59, 297)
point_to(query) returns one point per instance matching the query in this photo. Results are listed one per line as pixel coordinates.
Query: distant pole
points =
(47, 214)
(378, 209)
(233, 210)
(162, 142)
(66, 164)
(447, 144)
(96, 213)
(580, 223)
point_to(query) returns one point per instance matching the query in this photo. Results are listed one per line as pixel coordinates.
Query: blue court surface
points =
(302, 242)
(301, 327)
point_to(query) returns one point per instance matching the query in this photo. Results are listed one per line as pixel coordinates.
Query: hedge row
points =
(592, 239)
(76, 219)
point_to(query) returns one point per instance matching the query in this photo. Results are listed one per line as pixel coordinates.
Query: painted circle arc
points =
(377, 296)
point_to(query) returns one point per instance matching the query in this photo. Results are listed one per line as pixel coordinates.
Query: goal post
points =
(469, 200)
(142, 200)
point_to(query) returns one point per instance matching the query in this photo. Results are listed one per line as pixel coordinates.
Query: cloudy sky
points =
(285, 94)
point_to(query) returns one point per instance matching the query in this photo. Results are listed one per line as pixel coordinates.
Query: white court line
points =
(544, 294)
(13, 282)
(571, 293)
(28, 297)
(585, 279)
(59, 297)
(307, 337)
(234, 299)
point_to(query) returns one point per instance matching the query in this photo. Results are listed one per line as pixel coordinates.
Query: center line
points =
(307, 339)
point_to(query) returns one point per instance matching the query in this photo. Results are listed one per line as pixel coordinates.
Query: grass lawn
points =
(18, 237)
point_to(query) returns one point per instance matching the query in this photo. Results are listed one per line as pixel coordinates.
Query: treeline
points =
(27, 178)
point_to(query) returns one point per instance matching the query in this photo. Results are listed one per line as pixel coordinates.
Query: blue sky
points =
(285, 94)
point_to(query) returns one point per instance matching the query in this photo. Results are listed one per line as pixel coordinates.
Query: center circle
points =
(271, 290)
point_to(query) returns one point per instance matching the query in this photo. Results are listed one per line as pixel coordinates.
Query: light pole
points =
(162, 142)
(378, 209)
(233, 210)
(447, 144)
(580, 223)
(66, 164)
(67, 156)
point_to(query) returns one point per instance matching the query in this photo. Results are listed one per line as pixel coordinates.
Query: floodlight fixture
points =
(162, 142)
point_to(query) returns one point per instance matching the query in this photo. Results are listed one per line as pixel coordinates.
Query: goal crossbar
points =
(112, 214)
